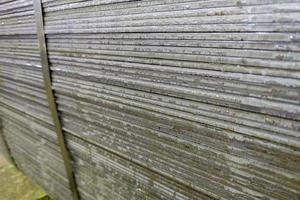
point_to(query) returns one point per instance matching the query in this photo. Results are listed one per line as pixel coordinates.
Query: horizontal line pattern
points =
(166, 99)
(27, 124)
(205, 93)
(33, 145)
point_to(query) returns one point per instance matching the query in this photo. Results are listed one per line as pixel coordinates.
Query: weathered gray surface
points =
(32, 141)
(161, 99)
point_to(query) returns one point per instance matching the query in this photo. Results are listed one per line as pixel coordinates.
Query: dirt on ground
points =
(16, 186)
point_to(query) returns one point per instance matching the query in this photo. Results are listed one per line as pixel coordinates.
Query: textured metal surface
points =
(172, 99)
(4, 148)
(35, 149)
(50, 96)
(22, 96)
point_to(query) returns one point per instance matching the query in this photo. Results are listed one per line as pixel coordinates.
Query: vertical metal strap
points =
(51, 100)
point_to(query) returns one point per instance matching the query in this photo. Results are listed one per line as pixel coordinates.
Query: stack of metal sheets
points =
(26, 123)
(159, 99)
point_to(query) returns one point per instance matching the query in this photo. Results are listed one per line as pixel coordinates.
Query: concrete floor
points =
(15, 186)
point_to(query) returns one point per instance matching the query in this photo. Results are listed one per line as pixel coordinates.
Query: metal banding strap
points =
(50, 96)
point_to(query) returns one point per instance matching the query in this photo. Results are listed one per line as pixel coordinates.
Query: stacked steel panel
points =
(26, 123)
(177, 99)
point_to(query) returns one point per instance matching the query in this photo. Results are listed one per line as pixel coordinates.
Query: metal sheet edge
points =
(7, 152)
(51, 99)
